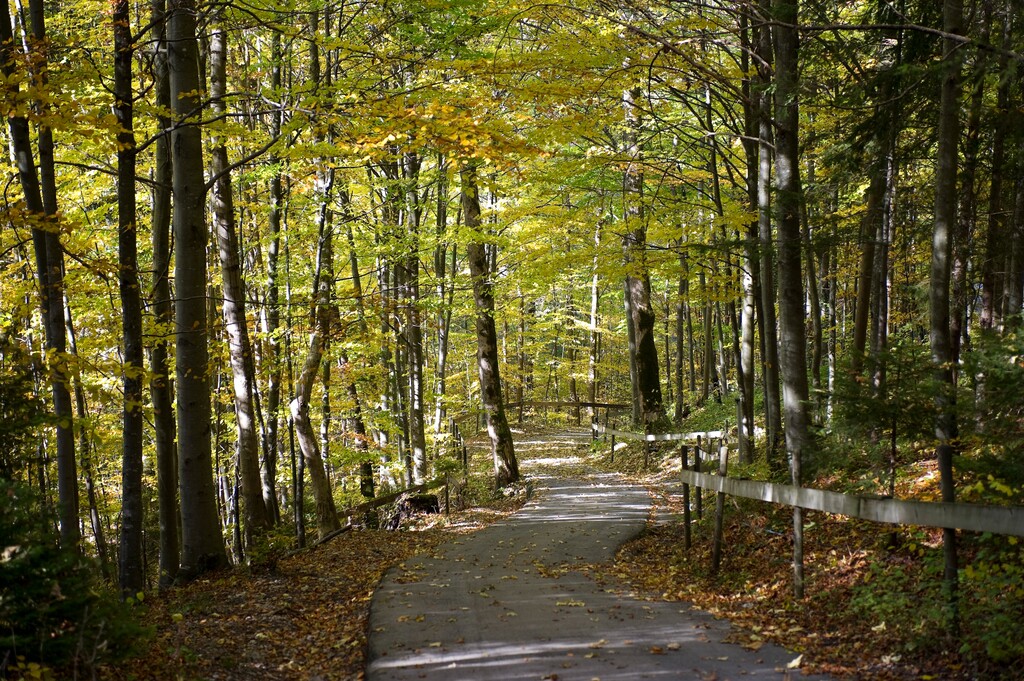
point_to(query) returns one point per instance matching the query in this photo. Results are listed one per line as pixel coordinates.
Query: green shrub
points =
(53, 608)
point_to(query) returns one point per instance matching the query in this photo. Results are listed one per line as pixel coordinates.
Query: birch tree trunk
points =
(240, 357)
(326, 511)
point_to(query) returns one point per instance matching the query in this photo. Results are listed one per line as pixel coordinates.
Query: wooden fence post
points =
(684, 455)
(716, 547)
(447, 493)
(699, 492)
(647, 443)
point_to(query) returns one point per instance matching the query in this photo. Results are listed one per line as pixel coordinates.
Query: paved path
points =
(506, 603)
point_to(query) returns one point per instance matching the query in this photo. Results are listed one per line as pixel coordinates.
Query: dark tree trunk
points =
(132, 578)
(506, 467)
(792, 343)
(641, 318)
(939, 283)
(41, 202)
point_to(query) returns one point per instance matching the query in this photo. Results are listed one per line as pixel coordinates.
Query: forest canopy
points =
(260, 261)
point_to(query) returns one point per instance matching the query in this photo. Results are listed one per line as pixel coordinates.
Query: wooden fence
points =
(1007, 520)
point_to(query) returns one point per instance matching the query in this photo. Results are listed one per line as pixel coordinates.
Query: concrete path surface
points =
(509, 602)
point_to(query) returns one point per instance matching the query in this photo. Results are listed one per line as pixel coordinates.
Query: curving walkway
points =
(510, 602)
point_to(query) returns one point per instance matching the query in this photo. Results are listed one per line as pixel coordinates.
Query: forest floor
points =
(304, 616)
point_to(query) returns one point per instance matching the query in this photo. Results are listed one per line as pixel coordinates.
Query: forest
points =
(263, 262)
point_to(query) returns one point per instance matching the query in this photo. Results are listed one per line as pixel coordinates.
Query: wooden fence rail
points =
(973, 517)
(659, 437)
(1007, 520)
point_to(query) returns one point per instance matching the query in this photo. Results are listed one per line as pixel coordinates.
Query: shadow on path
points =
(510, 602)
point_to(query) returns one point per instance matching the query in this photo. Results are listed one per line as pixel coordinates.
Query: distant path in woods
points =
(512, 601)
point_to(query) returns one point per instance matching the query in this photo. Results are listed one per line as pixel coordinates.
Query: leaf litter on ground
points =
(304, 618)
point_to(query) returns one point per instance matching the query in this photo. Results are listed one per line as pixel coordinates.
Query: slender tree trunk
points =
(1014, 294)
(41, 202)
(326, 511)
(708, 363)
(132, 578)
(792, 346)
(770, 339)
(444, 293)
(414, 334)
(814, 303)
(681, 409)
(271, 445)
(366, 480)
(85, 455)
(869, 235)
(506, 467)
(595, 335)
(202, 543)
(994, 250)
(939, 291)
(749, 266)
(160, 388)
(255, 519)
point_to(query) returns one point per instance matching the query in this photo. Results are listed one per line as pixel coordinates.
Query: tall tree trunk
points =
(160, 389)
(769, 335)
(255, 519)
(414, 328)
(1005, 168)
(41, 202)
(326, 511)
(681, 286)
(634, 381)
(792, 345)
(506, 467)
(869, 236)
(271, 445)
(132, 578)
(595, 336)
(202, 543)
(939, 282)
(366, 480)
(638, 282)
(750, 268)
(85, 456)
(445, 290)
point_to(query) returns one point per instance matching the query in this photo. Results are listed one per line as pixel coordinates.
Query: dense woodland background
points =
(255, 253)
